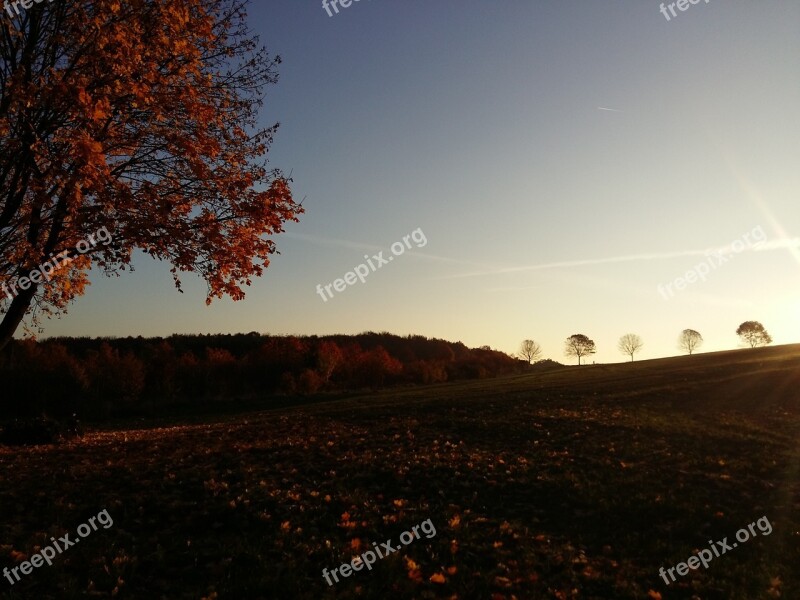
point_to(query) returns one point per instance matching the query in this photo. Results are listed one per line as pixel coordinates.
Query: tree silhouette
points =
(329, 356)
(141, 118)
(630, 344)
(689, 340)
(579, 345)
(530, 351)
(753, 333)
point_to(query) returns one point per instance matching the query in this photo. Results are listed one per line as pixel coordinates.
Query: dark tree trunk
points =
(15, 314)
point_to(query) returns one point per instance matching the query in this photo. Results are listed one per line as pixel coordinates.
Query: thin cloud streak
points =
(349, 245)
(778, 244)
(773, 245)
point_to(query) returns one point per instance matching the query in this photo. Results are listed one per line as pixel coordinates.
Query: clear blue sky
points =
(563, 160)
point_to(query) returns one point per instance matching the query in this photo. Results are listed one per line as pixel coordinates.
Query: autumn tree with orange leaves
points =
(141, 117)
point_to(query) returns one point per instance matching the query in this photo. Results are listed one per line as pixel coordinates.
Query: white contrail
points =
(609, 109)
(763, 246)
(487, 269)
(350, 245)
(789, 243)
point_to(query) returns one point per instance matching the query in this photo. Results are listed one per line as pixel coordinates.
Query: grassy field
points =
(576, 483)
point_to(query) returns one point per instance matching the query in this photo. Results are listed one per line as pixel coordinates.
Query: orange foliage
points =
(68, 375)
(141, 117)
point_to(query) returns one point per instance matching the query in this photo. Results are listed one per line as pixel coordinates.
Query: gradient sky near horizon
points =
(563, 160)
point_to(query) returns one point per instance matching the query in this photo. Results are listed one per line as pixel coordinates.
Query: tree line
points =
(101, 377)
(752, 333)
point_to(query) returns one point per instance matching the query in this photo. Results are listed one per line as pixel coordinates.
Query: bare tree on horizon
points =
(690, 340)
(630, 344)
(530, 351)
(578, 345)
(754, 334)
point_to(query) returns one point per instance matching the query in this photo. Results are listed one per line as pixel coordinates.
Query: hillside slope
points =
(574, 483)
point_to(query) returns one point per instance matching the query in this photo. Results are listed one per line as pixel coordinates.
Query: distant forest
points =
(102, 377)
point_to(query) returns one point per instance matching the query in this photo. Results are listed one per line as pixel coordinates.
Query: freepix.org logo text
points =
(331, 4)
(46, 270)
(15, 4)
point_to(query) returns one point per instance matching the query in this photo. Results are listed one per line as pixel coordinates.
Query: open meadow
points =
(573, 483)
(286, 289)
